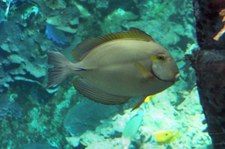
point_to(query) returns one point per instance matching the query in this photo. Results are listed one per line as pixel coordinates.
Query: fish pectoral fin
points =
(96, 94)
(145, 73)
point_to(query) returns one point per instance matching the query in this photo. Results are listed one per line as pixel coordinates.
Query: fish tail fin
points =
(126, 143)
(59, 68)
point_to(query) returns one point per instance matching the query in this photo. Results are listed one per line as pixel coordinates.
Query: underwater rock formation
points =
(78, 120)
(17, 60)
(209, 64)
(210, 70)
(9, 109)
(37, 146)
(23, 43)
(208, 23)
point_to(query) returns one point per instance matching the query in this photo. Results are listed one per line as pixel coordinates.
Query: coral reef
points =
(62, 118)
(78, 120)
(37, 146)
(9, 109)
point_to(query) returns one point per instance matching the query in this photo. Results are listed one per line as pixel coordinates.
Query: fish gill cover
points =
(51, 117)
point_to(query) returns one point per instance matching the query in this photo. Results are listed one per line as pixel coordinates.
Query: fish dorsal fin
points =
(84, 47)
(98, 95)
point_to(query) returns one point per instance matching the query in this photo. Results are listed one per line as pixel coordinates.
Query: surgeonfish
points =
(113, 68)
(165, 137)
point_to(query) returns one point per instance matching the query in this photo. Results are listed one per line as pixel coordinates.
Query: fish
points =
(144, 100)
(165, 137)
(113, 68)
(132, 127)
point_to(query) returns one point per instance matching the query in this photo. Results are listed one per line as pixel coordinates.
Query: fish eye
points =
(161, 57)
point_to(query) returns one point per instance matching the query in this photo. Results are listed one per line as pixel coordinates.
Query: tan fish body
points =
(116, 67)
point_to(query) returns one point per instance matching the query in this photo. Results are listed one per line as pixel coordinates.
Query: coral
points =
(55, 4)
(77, 120)
(55, 35)
(16, 60)
(34, 10)
(9, 109)
(118, 16)
(97, 3)
(66, 24)
(37, 146)
(9, 3)
(2, 18)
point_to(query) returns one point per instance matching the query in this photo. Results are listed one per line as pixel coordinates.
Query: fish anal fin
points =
(96, 94)
(138, 104)
(132, 34)
(142, 100)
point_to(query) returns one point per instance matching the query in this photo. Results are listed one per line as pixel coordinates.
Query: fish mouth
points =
(177, 76)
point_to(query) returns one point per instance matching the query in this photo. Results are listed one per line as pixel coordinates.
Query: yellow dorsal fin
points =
(132, 34)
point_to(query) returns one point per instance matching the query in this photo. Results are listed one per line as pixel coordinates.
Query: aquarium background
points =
(33, 117)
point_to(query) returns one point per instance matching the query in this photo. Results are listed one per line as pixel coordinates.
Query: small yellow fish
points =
(165, 137)
(144, 100)
(116, 67)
